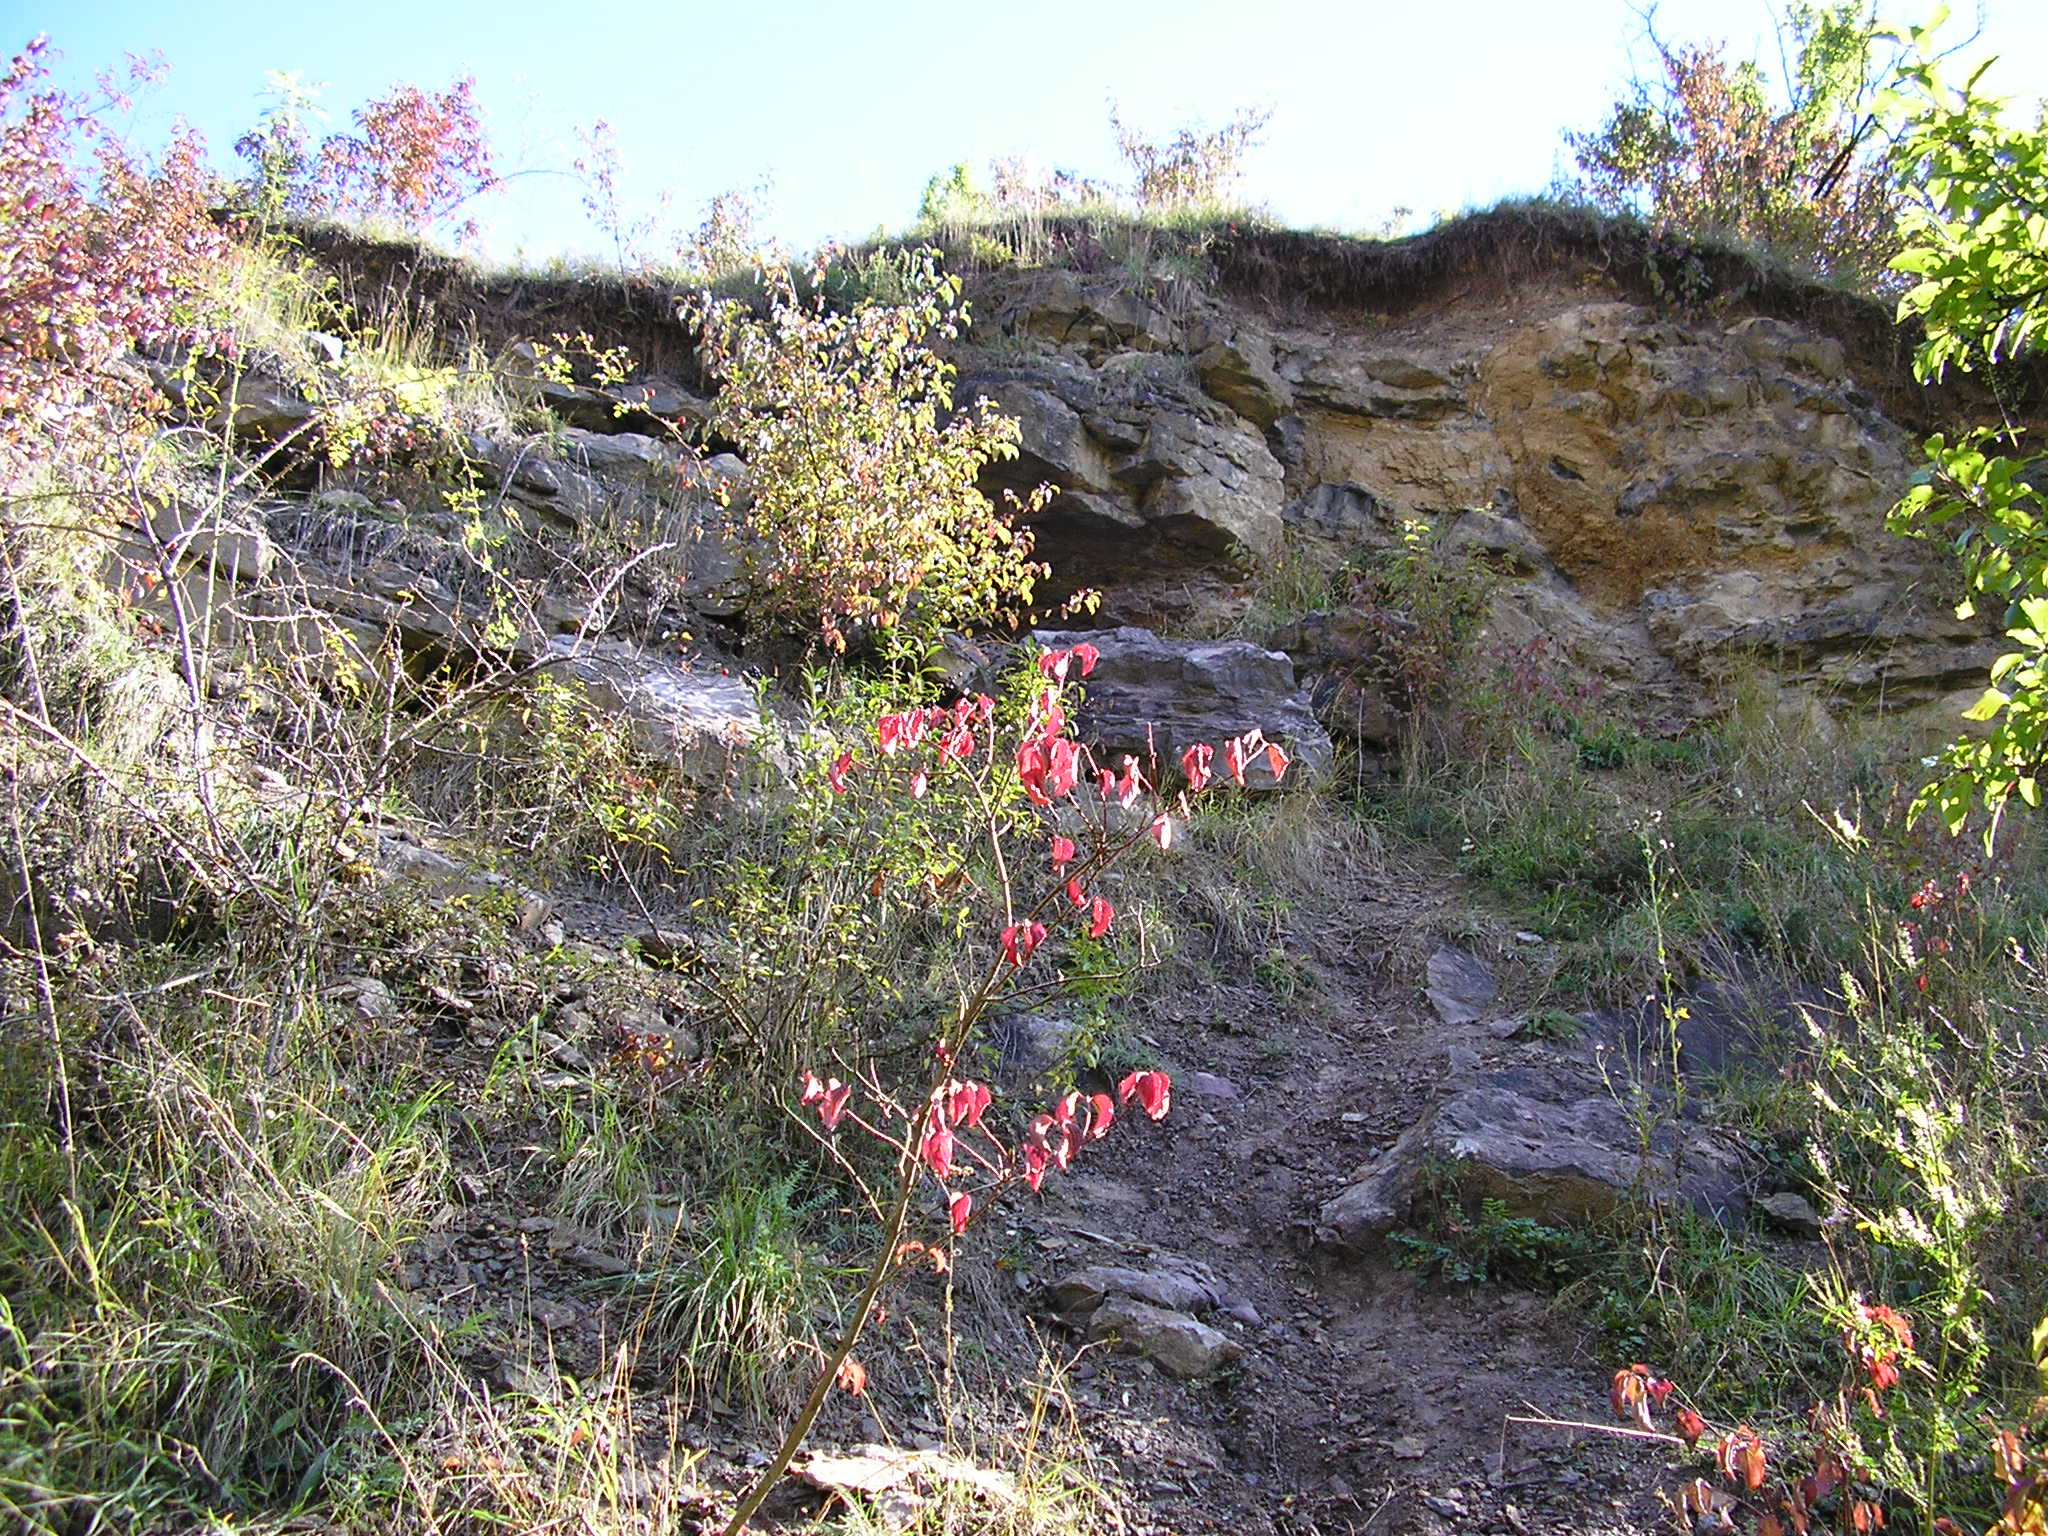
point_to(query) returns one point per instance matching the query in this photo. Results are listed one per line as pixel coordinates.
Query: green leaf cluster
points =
(1976, 240)
(865, 516)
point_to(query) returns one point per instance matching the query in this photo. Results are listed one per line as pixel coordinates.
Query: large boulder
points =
(1154, 697)
(1181, 1346)
(1235, 364)
(1150, 1311)
(1096, 316)
(225, 538)
(1162, 490)
(1551, 1142)
(254, 406)
(1390, 388)
(1168, 1282)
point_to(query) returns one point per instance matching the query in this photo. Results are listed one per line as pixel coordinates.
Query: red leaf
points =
(1020, 939)
(1053, 664)
(1075, 894)
(1690, 1426)
(1276, 761)
(889, 734)
(1062, 854)
(918, 785)
(1035, 1153)
(1153, 1091)
(960, 1208)
(937, 1148)
(1102, 1114)
(836, 774)
(1062, 767)
(1748, 1458)
(1130, 785)
(1161, 830)
(832, 1103)
(1064, 1145)
(966, 1102)
(1234, 758)
(813, 1090)
(1100, 914)
(1195, 764)
(1046, 714)
(1086, 655)
(852, 1377)
(1031, 771)
(1067, 1112)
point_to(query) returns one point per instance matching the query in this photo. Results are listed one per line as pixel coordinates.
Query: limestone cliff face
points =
(1674, 495)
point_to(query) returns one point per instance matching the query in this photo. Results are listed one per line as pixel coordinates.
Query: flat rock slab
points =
(1460, 986)
(698, 717)
(1548, 1143)
(1791, 1212)
(1171, 1284)
(1178, 1344)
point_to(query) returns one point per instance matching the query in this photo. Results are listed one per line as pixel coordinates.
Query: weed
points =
(1491, 1246)
(1194, 169)
(1551, 1024)
(728, 1308)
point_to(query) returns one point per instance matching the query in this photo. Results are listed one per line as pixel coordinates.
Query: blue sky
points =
(845, 110)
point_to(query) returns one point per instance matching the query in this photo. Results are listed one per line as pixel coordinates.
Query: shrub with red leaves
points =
(1704, 150)
(97, 251)
(416, 157)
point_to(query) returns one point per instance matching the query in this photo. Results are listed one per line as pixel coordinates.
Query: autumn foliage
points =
(416, 157)
(1028, 783)
(97, 250)
(1703, 148)
(1835, 1477)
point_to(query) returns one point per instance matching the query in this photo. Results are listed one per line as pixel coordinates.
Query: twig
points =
(1599, 1429)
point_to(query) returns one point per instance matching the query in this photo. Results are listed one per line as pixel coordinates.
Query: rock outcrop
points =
(1671, 500)
(1151, 1312)
(1548, 1142)
(1671, 496)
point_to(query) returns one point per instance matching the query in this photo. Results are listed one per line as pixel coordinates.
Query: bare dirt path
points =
(1368, 1398)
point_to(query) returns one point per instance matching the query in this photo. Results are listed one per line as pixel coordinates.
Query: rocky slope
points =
(1674, 493)
(1673, 496)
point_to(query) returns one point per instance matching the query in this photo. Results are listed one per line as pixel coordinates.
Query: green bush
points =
(865, 520)
(1977, 241)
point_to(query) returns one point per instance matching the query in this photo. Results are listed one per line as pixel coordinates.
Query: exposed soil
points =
(1367, 1398)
